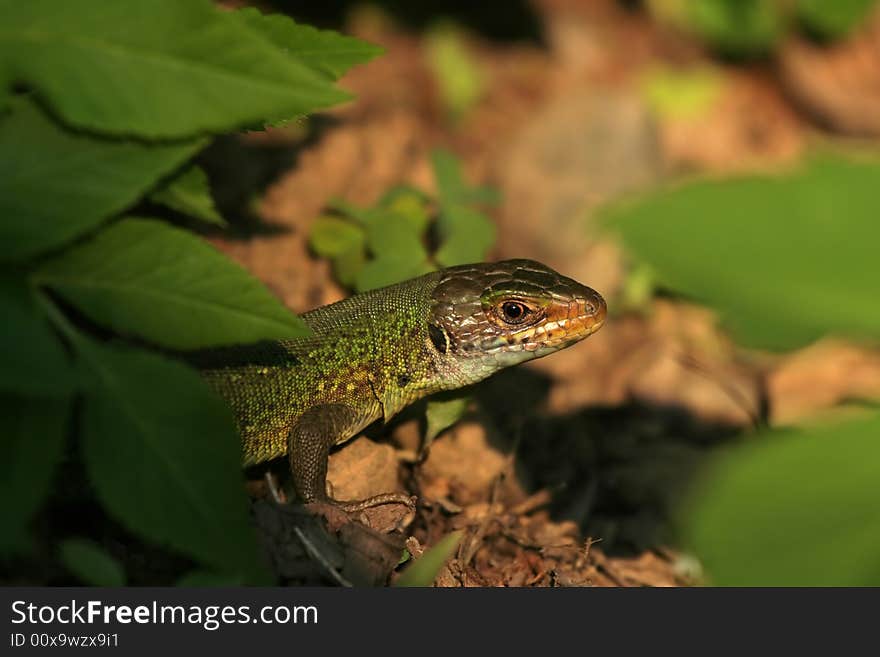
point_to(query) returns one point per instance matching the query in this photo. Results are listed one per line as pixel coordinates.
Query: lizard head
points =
(488, 316)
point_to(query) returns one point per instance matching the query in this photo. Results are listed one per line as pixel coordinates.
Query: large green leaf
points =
(56, 185)
(785, 259)
(801, 509)
(32, 359)
(326, 51)
(148, 279)
(154, 68)
(31, 447)
(164, 456)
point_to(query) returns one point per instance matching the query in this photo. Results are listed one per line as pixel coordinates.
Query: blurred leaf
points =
(833, 19)
(91, 563)
(325, 51)
(163, 284)
(451, 185)
(347, 265)
(796, 510)
(389, 270)
(423, 571)
(164, 456)
(466, 235)
(155, 68)
(398, 250)
(409, 204)
(332, 236)
(190, 193)
(784, 259)
(682, 94)
(204, 578)
(457, 73)
(56, 185)
(31, 448)
(32, 359)
(442, 414)
(740, 28)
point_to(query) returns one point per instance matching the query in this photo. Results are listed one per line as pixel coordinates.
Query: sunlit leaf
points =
(151, 280)
(155, 68)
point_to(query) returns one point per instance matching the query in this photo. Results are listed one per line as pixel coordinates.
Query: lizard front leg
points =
(308, 446)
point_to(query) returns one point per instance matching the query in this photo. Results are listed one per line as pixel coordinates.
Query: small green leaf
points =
(423, 571)
(163, 284)
(800, 509)
(31, 448)
(410, 204)
(91, 563)
(56, 185)
(389, 270)
(164, 456)
(458, 75)
(32, 358)
(160, 69)
(332, 236)
(442, 414)
(389, 234)
(189, 193)
(466, 235)
(451, 186)
(785, 259)
(348, 265)
(325, 51)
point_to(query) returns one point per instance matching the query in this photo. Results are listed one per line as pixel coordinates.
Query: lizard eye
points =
(514, 312)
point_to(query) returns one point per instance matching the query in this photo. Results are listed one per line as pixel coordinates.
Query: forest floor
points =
(571, 470)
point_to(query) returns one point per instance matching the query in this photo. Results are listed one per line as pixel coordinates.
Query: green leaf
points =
(682, 94)
(164, 456)
(784, 259)
(332, 236)
(801, 509)
(91, 563)
(832, 19)
(398, 250)
(148, 279)
(56, 185)
(410, 204)
(458, 75)
(741, 28)
(466, 235)
(154, 68)
(189, 193)
(451, 186)
(348, 265)
(32, 358)
(442, 414)
(31, 448)
(325, 51)
(423, 571)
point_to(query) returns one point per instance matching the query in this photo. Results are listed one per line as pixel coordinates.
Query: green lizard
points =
(374, 353)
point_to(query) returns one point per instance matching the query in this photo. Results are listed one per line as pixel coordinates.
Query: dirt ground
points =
(568, 471)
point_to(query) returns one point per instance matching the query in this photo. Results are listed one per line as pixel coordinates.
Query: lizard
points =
(372, 354)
